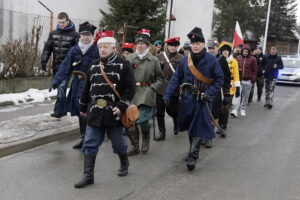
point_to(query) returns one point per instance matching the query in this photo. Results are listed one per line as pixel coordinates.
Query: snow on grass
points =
(32, 95)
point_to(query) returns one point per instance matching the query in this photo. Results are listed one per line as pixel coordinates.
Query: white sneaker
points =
(234, 113)
(243, 113)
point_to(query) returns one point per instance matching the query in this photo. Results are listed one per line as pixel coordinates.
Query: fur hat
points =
(86, 27)
(196, 35)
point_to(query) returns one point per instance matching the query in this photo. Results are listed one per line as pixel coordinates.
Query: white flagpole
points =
(267, 27)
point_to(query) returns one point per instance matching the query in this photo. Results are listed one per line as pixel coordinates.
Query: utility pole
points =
(170, 18)
(267, 27)
(51, 15)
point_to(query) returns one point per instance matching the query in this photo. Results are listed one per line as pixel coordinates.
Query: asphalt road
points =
(259, 160)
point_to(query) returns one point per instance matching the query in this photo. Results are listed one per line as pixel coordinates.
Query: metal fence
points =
(18, 28)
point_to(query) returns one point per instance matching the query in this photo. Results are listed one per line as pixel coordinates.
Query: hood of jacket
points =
(246, 47)
(70, 27)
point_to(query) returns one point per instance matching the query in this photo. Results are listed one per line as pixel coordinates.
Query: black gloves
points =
(205, 98)
(237, 92)
(227, 99)
(51, 88)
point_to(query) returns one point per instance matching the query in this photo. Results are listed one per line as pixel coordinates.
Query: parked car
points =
(291, 72)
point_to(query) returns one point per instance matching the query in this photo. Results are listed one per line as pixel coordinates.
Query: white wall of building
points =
(77, 9)
(189, 14)
(17, 17)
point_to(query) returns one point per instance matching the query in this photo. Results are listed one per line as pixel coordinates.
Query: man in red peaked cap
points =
(169, 61)
(101, 34)
(127, 49)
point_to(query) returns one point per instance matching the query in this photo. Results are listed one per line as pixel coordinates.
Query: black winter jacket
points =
(226, 73)
(261, 64)
(59, 42)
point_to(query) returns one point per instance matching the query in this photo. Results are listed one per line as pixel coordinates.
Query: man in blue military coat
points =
(200, 77)
(77, 62)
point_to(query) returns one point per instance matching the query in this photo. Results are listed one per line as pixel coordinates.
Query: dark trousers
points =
(216, 106)
(260, 86)
(260, 81)
(94, 138)
(224, 115)
(60, 104)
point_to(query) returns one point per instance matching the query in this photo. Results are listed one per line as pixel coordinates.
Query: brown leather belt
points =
(142, 84)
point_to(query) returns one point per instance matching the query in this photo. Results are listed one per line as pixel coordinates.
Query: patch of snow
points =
(15, 108)
(25, 127)
(32, 95)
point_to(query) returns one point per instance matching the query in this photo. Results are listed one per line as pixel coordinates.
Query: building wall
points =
(77, 9)
(189, 14)
(18, 17)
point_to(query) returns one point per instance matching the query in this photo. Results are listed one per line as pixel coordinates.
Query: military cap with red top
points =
(127, 47)
(173, 41)
(196, 35)
(143, 35)
(101, 34)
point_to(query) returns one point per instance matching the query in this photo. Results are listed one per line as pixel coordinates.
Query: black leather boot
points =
(123, 171)
(190, 140)
(162, 129)
(88, 174)
(82, 128)
(193, 153)
(135, 147)
(176, 126)
(145, 141)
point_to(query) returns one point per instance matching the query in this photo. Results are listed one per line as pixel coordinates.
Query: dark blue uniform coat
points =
(193, 114)
(66, 69)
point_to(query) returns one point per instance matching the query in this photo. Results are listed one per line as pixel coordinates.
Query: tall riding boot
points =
(123, 171)
(82, 128)
(88, 174)
(190, 140)
(145, 141)
(135, 147)
(193, 153)
(176, 126)
(162, 129)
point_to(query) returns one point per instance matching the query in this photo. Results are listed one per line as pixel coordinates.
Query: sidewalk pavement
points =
(26, 132)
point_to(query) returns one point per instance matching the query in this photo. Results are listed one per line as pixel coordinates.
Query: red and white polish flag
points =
(238, 37)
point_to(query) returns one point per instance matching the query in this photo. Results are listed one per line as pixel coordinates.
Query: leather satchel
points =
(131, 114)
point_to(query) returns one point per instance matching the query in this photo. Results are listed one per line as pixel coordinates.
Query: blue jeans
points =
(94, 137)
(60, 104)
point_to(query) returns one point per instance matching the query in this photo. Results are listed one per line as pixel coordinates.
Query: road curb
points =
(26, 145)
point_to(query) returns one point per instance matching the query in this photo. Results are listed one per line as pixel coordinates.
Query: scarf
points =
(84, 47)
(141, 55)
(229, 58)
(196, 57)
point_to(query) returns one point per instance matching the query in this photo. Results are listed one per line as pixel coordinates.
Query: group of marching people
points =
(195, 86)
